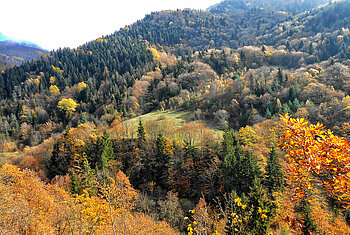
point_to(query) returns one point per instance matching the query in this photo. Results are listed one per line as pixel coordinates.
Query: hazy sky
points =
(69, 23)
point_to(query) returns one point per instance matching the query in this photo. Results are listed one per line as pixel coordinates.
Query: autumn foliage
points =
(29, 206)
(316, 151)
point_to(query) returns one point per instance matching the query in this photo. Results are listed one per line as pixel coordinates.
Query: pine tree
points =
(161, 160)
(280, 76)
(141, 135)
(240, 168)
(76, 184)
(106, 155)
(309, 226)
(59, 161)
(274, 174)
(262, 207)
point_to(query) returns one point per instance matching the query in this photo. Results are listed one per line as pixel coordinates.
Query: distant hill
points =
(14, 52)
(4, 38)
(291, 6)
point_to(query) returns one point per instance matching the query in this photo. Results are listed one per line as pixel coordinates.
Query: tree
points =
(280, 76)
(59, 161)
(68, 106)
(313, 150)
(161, 159)
(54, 90)
(262, 209)
(141, 134)
(309, 226)
(240, 167)
(274, 174)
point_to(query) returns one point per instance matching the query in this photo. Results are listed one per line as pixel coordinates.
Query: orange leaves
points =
(29, 206)
(313, 150)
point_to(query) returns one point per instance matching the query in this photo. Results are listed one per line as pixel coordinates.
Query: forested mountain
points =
(291, 6)
(228, 74)
(15, 53)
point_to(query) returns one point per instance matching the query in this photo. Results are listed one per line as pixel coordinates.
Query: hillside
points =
(291, 6)
(15, 53)
(174, 124)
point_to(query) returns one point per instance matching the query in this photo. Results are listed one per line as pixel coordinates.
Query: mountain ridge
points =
(291, 6)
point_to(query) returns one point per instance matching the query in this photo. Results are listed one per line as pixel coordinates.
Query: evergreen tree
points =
(59, 161)
(286, 108)
(240, 167)
(280, 76)
(309, 226)
(268, 113)
(274, 174)
(262, 209)
(141, 135)
(106, 155)
(161, 160)
(76, 184)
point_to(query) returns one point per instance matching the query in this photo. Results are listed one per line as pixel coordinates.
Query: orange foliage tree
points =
(314, 150)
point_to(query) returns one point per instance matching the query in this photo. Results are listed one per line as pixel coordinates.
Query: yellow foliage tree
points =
(346, 102)
(81, 86)
(67, 105)
(54, 90)
(52, 80)
(246, 136)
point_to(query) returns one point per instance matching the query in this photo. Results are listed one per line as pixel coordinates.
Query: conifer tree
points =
(59, 161)
(262, 209)
(274, 174)
(280, 76)
(240, 168)
(161, 159)
(309, 226)
(141, 135)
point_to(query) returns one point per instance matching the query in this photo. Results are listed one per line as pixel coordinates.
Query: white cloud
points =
(70, 23)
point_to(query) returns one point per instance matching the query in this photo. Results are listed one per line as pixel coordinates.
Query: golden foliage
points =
(67, 105)
(155, 53)
(54, 90)
(246, 136)
(52, 80)
(29, 206)
(81, 86)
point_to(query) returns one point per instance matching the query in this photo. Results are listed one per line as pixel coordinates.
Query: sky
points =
(70, 23)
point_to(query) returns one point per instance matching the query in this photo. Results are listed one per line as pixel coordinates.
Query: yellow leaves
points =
(346, 103)
(101, 40)
(246, 136)
(235, 220)
(52, 80)
(238, 200)
(36, 81)
(155, 53)
(57, 69)
(67, 105)
(81, 86)
(54, 90)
